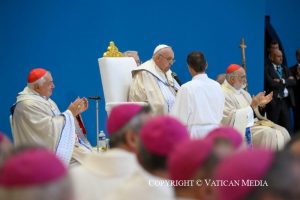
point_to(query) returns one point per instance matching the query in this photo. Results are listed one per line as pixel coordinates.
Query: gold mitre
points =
(112, 51)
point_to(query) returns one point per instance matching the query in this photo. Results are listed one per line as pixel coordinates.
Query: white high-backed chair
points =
(116, 79)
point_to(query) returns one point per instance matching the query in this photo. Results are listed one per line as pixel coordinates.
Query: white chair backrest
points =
(116, 79)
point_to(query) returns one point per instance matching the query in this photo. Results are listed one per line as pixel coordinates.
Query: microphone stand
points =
(96, 98)
(174, 75)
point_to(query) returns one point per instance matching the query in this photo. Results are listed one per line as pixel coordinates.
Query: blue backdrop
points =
(68, 37)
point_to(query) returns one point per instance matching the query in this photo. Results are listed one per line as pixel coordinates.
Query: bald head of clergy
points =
(236, 76)
(134, 55)
(163, 56)
(40, 80)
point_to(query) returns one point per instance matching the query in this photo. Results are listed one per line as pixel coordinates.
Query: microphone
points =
(174, 75)
(94, 97)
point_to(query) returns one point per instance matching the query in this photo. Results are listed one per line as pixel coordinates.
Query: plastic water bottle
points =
(103, 141)
(248, 137)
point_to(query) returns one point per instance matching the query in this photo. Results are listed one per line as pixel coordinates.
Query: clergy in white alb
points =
(36, 119)
(143, 185)
(199, 103)
(242, 111)
(101, 173)
(153, 83)
(157, 139)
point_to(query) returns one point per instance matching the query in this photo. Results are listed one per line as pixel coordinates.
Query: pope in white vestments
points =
(153, 83)
(199, 103)
(36, 119)
(240, 109)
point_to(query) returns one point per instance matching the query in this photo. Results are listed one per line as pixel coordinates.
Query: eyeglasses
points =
(170, 60)
(240, 76)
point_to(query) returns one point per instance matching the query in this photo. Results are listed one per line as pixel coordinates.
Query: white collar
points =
(200, 76)
(151, 67)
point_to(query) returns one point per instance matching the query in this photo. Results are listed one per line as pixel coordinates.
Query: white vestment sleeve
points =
(238, 118)
(243, 118)
(144, 88)
(181, 107)
(66, 141)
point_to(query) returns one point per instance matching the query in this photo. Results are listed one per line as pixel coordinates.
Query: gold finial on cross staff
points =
(243, 47)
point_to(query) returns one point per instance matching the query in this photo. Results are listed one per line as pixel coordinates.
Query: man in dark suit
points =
(278, 79)
(295, 70)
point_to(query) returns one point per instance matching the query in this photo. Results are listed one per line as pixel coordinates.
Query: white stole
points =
(65, 144)
(168, 86)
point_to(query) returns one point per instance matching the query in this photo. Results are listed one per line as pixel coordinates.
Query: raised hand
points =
(261, 99)
(256, 100)
(78, 106)
(265, 99)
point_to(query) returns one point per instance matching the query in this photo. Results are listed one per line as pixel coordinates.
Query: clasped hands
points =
(261, 99)
(283, 81)
(78, 106)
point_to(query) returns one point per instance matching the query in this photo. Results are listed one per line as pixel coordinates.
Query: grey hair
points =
(119, 137)
(39, 82)
(134, 124)
(232, 74)
(150, 161)
(59, 189)
(127, 53)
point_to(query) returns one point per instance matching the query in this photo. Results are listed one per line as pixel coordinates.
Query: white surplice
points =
(239, 114)
(199, 105)
(101, 173)
(153, 86)
(142, 185)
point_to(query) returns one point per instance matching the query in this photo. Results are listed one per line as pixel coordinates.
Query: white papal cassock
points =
(238, 113)
(153, 86)
(199, 105)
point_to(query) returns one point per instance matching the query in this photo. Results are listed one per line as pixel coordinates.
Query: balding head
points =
(134, 55)
(276, 57)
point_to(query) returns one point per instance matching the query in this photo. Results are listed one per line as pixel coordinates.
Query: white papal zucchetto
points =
(160, 47)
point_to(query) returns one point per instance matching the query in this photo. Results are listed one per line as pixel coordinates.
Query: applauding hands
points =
(261, 99)
(78, 106)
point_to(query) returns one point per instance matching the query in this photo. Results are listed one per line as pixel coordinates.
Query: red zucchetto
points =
(36, 74)
(231, 68)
